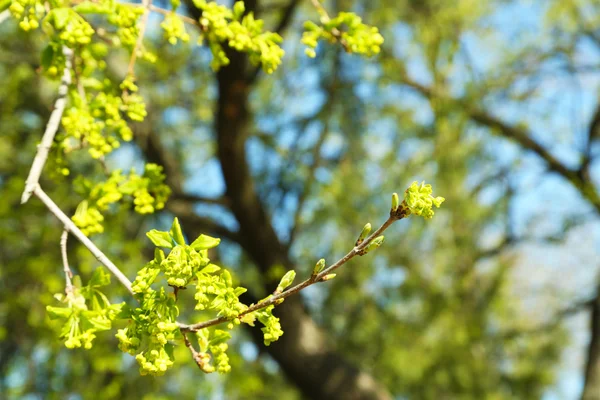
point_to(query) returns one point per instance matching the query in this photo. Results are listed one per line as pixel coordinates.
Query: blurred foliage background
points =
(495, 103)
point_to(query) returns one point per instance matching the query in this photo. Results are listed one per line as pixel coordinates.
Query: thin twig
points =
(278, 297)
(71, 227)
(326, 18)
(138, 45)
(167, 12)
(66, 269)
(51, 128)
(222, 201)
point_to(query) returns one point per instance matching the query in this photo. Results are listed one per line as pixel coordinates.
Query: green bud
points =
(374, 244)
(286, 281)
(395, 202)
(363, 235)
(319, 266)
(328, 277)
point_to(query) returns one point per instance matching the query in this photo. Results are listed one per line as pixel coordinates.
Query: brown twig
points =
(326, 18)
(314, 278)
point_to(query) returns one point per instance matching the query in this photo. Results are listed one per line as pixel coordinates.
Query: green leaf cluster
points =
(148, 191)
(243, 33)
(86, 310)
(346, 28)
(420, 201)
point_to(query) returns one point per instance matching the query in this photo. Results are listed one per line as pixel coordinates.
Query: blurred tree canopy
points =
(494, 102)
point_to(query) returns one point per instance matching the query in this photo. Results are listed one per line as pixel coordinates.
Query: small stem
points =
(53, 124)
(167, 12)
(276, 299)
(197, 356)
(326, 18)
(66, 269)
(138, 45)
(71, 227)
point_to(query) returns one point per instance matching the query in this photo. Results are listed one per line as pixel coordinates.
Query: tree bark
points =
(303, 352)
(591, 390)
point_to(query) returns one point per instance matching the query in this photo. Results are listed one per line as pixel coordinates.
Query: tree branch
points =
(277, 298)
(53, 124)
(516, 134)
(591, 387)
(66, 269)
(71, 227)
(194, 198)
(139, 43)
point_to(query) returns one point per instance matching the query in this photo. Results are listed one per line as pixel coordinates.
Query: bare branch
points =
(51, 128)
(66, 269)
(71, 227)
(516, 134)
(592, 364)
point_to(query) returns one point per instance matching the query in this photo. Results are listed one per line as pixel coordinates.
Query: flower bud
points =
(328, 277)
(286, 281)
(395, 202)
(374, 244)
(319, 266)
(363, 235)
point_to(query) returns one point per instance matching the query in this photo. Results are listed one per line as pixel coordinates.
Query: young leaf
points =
(176, 232)
(160, 238)
(205, 242)
(210, 269)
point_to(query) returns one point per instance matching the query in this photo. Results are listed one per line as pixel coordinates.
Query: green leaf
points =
(176, 232)
(60, 16)
(130, 186)
(203, 336)
(205, 242)
(160, 238)
(92, 83)
(219, 336)
(210, 269)
(47, 56)
(159, 255)
(227, 278)
(98, 322)
(4, 4)
(124, 311)
(169, 350)
(59, 312)
(87, 7)
(99, 278)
